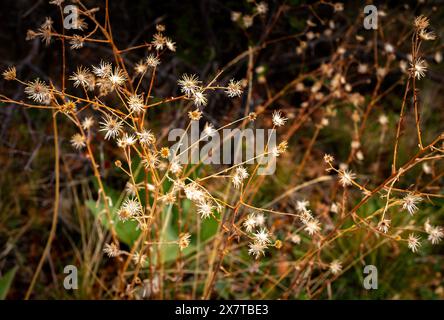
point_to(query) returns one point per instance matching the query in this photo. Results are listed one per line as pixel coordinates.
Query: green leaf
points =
(170, 252)
(127, 231)
(209, 229)
(6, 281)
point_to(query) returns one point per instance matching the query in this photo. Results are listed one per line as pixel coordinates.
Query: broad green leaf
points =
(171, 252)
(126, 231)
(208, 228)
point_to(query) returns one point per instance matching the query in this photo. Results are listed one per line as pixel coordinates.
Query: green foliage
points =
(6, 281)
(126, 231)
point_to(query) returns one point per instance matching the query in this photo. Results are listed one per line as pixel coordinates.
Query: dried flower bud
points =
(10, 73)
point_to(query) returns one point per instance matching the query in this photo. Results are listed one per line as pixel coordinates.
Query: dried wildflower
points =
(403, 66)
(91, 82)
(170, 44)
(256, 249)
(421, 22)
(252, 116)
(117, 78)
(300, 87)
(87, 123)
(362, 68)
(158, 41)
(234, 89)
(123, 214)
(427, 168)
(105, 86)
(199, 98)
(175, 167)
(140, 67)
(357, 100)
(260, 219)
(103, 70)
(334, 207)
(169, 198)
(139, 259)
(306, 216)
(78, 141)
(131, 189)
(419, 68)
(235, 15)
(324, 122)
(346, 177)
(427, 35)
(278, 119)
(328, 158)
(45, 31)
(389, 48)
(81, 77)
(209, 130)
(280, 149)
(150, 160)
(130, 208)
(247, 20)
(146, 137)
(195, 115)
(30, 35)
(301, 206)
(338, 6)
(135, 103)
(68, 107)
(205, 209)
(126, 140)
(312, 226)
(76, 42)
(160, 27)
(112, 127)
(355, 144)
(250, 222)
(383, 120)
(240, 174)
(335, 267)
(295, 238)
(278, 244)
(413, 242)
(10, 73)
(184, 240)
(165, 152)
(262, 236)
(384, 225)
(112, 250)
(435, 234)
(409, 203)
(152, 61)
(427, 225)
(189, 84)
(262, 7)
(38, 91)
(194, 193)
(79, 24)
